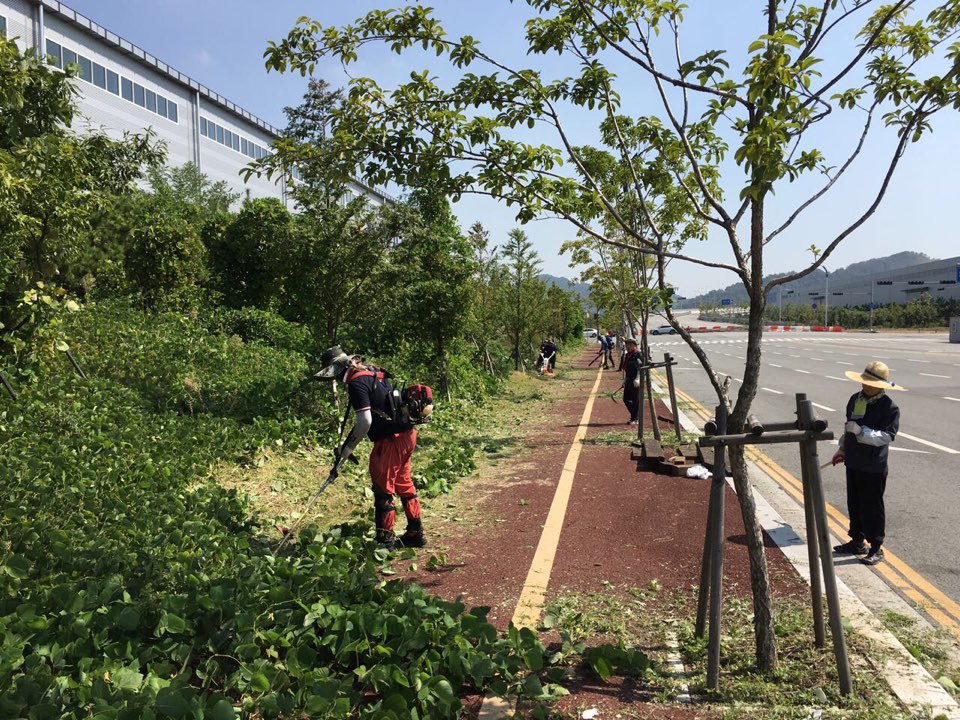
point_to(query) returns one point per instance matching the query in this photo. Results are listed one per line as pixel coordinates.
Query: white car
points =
(590, 334)
(664, 330)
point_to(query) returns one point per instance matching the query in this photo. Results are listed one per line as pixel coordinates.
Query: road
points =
(923, 513)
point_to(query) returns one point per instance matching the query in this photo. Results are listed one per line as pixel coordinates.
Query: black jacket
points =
(882, 414)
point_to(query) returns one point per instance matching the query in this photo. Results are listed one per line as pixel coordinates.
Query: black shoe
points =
(412, 539)
(386, 539)
(851, 548)
(873, 557)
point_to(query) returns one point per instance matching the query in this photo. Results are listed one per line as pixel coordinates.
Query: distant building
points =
(124, 88)
(935, 279)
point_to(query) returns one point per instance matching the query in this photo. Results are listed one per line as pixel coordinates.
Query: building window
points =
(113, 82)
(219, 134)
(3, 26)
(69, 58)
(138, 95)
(151, 101)
(100, 76)
(172, 111)
(161, 105)
(86, 68)
(203, 126)
(54, 53)
(126, 89)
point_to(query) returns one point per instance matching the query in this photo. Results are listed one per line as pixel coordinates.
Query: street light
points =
(826, 298)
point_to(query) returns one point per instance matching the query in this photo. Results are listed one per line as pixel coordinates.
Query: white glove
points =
(853, 427)
(636, 381)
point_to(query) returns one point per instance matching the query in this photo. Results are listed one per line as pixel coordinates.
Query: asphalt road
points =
(923, 512)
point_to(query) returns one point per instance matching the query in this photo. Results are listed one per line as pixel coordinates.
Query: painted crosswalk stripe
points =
(776, 366)
(840, 362)
(929, 444)
(945, 377)
(805, 372)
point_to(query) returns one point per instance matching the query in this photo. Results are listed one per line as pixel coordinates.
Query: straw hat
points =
(876, 374)
(630, 340)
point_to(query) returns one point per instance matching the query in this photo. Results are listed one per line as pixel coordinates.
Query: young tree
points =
(471, 133)
(186, 185)
(523, 295)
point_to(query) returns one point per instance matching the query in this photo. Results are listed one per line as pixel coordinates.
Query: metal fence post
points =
(813, 555)
(718, 488)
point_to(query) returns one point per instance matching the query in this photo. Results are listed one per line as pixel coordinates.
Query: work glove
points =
(636, 381)
(853, 427)
(351, 457)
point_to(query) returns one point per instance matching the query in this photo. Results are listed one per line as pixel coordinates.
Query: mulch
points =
(624, 528)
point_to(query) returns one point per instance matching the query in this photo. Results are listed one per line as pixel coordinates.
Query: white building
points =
(124, 88)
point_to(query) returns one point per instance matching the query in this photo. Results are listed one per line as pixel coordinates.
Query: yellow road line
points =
(530, 604)
(897, 572)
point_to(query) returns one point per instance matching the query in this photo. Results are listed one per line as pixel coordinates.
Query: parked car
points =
(590, 334)
(664, 330)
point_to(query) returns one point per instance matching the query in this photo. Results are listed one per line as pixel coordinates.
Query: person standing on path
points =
(630, 367)
(606, 344)
(873, 420)
(393, 445)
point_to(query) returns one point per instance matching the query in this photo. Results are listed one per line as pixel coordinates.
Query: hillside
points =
(581, 289)
(814, 281)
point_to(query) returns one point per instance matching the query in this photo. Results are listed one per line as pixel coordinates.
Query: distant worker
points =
(630, 367)
(548, 356)
(606, 345)
(873, 420)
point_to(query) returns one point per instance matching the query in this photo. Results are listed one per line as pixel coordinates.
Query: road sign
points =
(726, 301)
(958, 273)
(814, 306)
(871, 306)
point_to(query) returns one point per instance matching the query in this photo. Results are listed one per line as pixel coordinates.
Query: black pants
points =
(865, 504)
(630, 398)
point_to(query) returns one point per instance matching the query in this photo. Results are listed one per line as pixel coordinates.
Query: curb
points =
(908, 679)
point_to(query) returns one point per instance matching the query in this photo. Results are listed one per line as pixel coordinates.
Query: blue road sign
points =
(871, 306)
(815, 306)
(958, 273)
(726, 301)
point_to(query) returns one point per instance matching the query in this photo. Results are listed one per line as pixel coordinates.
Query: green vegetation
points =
(136, 581)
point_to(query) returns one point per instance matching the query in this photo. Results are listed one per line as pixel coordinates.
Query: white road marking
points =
(805, 372)
(739, 357)
(828, 352)
(775, 392)
(929, 444)
(795, 356)
(823, 407)
(922, 452)
(926, 362)
(817, 359)
(831, 377)
(945, 397)
(945, 377)
(776, 366)
(840, 362)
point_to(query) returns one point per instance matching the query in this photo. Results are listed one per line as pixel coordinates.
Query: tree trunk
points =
(766, 643)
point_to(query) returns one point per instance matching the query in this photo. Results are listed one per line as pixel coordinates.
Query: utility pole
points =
(826, 299)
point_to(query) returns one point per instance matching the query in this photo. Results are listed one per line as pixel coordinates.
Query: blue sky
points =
(220, 43)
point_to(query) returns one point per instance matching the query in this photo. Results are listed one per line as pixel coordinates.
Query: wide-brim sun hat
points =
(876, 374)
(629, 340)
(334, 361)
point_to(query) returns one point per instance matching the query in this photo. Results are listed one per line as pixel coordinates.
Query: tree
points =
(523, 294)
(187, 185)
(471, 133)
(250, 257)
(53, 183)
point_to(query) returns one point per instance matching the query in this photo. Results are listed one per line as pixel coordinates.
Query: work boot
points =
(386, 539)
(852, 547)
(412, 539)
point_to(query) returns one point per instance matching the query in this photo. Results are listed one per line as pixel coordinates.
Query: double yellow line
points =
(894, 570)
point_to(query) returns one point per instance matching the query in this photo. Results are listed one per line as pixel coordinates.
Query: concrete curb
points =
(908, 679)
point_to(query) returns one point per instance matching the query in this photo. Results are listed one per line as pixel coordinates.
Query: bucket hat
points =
(876, 374)
(334, 361)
